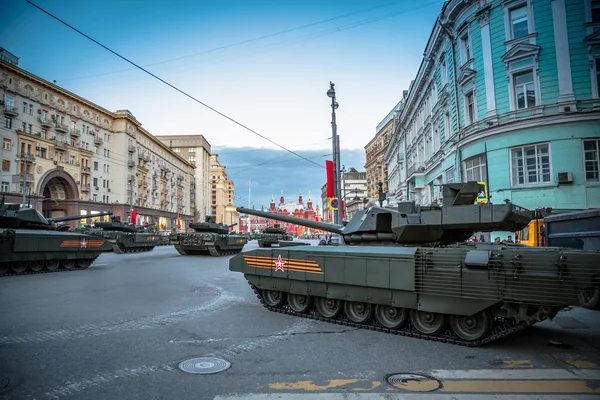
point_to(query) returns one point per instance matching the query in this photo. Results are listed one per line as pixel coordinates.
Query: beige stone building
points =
(196, 150)
(222, 194)
(375, 153)
(76, 157)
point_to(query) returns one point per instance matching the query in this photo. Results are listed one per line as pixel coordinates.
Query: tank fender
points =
(453, 305)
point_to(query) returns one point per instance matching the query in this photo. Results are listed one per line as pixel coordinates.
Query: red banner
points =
(133, 218)
(330, 179)
(343, 210)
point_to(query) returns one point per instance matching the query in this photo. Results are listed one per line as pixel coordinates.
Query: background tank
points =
(208, 238)
(408, 271)
(31, 243)
(127, 238)
(273, 235)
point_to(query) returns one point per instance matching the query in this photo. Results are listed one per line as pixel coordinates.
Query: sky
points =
(265, 65)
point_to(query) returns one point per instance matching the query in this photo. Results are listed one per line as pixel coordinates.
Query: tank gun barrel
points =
(76, 217)
(232, 225)
(333, 228)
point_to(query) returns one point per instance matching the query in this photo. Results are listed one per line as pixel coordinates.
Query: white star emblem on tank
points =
(83, 244)
(279, 264)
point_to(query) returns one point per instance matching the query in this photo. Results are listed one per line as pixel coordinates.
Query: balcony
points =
(59, 144)
(58, 127)
(11, 111)
(416, 168)
(98, 140)
(75, 132)
(131, 163)
(86, 170)
(131, 148)
(85, 187)
(45, 122)
(19, 178)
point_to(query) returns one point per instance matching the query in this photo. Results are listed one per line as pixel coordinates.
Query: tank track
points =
(45, 271)
(499, 331)
(218, 252)
(133, 249)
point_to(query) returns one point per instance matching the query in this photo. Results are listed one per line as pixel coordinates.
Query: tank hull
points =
(28, 251)
(468, 294)
(129, 242)
(207, 243)
(269, 239)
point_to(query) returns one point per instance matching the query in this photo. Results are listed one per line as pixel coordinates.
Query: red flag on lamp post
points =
(330, 179)
(343, 210)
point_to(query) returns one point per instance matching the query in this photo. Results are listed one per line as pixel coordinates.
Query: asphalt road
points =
(120, 329)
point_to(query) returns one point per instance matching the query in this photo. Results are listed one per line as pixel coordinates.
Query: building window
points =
(444, 71)
(6, 144)
(595, 6)
(4, 187)
(519, 22)
(597, 64)
(530, 165)
(475, 169)
(95, 165)
(8, 123)
(176, 149)
(24, 108)
(524, 89)
(470, 108)
(6, 165)
(450, 175)
(591, 155)
(9, 102)
(31, 109)
(192, 149)
(465, 47)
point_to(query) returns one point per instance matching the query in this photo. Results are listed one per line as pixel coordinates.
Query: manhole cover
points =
(204, 365)
(413, 382)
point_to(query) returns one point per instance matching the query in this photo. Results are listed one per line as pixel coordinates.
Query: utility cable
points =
(172, 86)
(242, 42)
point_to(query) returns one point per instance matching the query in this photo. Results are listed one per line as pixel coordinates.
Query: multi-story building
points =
(71, 156)
(375, 151)
(508, 93)
(355, 194)
(392, 156)
(9, 57)
(221, 192)
(196, 150)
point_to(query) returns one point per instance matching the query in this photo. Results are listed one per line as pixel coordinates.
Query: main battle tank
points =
(208, 238)
(127, 238)
(273, 235)
(31, 243)
(407, 270)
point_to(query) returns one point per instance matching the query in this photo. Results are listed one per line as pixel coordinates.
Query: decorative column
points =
(488, 66)
(563, 58)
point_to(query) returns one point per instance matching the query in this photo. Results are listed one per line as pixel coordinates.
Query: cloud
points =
(275, 170)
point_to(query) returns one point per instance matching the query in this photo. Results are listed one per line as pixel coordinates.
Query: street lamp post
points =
(25, 158)
(337, 192)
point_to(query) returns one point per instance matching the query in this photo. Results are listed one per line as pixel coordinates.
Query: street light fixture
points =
(337, 192)
(26, 158)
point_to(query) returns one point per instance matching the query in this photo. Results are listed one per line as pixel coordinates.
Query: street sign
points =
(333, 203)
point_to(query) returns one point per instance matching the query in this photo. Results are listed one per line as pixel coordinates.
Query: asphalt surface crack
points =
(304, 333)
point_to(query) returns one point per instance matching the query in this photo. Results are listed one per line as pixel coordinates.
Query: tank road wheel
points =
(52, 265)
(37, 265)
(357, 311)
(329, 308)
(391, 317)
(4, 267)
(471, 327)
(68, 263)
(427, 322)
(273, 298)
(19, 266)
(590, 298)
(84, 262)
(300, 303)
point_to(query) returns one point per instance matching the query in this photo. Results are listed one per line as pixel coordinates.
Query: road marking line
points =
(523, 374)
(514, 364)
(581, 363)
(519, 386)
(397, 396)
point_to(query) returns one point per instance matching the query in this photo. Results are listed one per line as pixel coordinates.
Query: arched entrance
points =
(60, 191)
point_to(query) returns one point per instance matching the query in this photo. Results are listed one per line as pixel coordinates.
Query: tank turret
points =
(19, 216)
(116, 224)
(408, 223)
(276, 228)
(210, 225)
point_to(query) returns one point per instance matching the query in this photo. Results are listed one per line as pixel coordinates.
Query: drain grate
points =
(204, 365)
(413, 382)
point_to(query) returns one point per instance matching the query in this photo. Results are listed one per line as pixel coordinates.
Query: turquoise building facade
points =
(507, 93)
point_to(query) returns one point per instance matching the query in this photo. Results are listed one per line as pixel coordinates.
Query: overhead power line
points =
(170, 85)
